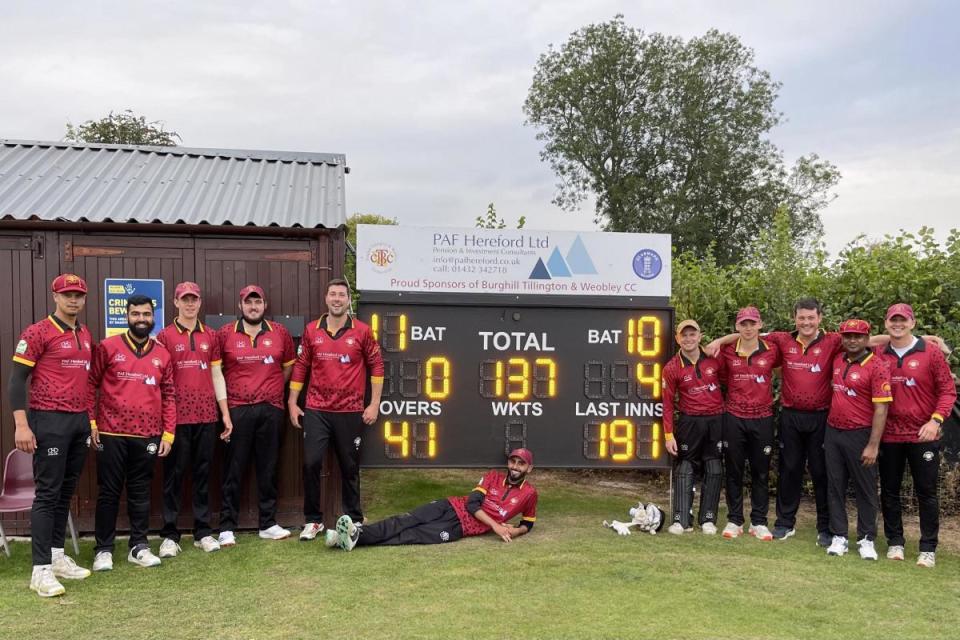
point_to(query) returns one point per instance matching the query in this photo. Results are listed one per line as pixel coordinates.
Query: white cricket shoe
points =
(65, 567)
(676, 529)
(45, 583)
(895, 552)
(760, 532)
(169, 548)
(867, 550)
(708, 528)
(732, 531)
(143, 557)
(331, 538)
(310, 531)
(103, 561)
(347, 532)
(207, 543)
(276, 532)
(837, 547)
(227, 539)
(927, 559)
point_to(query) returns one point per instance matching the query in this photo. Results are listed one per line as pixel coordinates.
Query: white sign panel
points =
(512, 261)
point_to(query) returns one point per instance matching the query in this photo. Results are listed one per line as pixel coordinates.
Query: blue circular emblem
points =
(647, 264)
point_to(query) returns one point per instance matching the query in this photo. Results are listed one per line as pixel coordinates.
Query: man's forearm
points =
(376, 391)
(879, 422)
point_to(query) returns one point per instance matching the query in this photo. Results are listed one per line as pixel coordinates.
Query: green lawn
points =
(569, 578)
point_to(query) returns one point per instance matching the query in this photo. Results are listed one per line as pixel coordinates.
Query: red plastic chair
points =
(19, 491)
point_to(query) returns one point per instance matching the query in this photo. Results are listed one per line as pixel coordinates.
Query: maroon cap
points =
(900, 309)
(249, 290)
(68, 282)
(523, 454)
(186, 289)
(854, 325)
(748, 313)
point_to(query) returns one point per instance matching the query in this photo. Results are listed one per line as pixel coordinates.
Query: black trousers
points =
(924, 459)
(193, 450)
(801, 443)
(699, 451)
(748, 439)
(62, 445)
(344, 430)
(432, 523)
(843, 448)
(124, 460)
(256, 430)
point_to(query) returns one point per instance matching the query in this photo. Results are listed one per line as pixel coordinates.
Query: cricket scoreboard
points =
(464, 384)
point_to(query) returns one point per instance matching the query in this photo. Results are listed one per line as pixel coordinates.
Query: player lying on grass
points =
(498, 498)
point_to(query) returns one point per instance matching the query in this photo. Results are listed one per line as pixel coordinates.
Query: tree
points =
(123, 128)
(670, 137)
(493, 221)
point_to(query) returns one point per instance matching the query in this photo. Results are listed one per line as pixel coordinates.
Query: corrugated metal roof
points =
(127, 183)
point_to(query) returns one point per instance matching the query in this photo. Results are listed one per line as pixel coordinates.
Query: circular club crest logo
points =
(647, 264)
(913, 364)
(382, 257)
(710, 371)
(761, 362)
(157, 362)
(854, 375)
(267, 342)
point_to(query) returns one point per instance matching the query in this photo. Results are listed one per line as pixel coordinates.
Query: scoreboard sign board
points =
(471, 375)
(464, 385)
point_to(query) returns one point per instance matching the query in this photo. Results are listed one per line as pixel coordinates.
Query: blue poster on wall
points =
(115, 294)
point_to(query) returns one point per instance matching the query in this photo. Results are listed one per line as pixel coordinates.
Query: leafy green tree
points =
(670, 136)
(123, 128)
(492, 221)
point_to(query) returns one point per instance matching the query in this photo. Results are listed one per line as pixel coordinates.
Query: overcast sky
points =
(425, 98)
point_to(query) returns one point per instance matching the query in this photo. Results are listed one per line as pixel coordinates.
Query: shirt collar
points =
(862, 360)
(63, 326)
(796, 336)
(920, 345)
(761, 347)
(264, 326)
(322, 322)
(182, 329)
(685, 362)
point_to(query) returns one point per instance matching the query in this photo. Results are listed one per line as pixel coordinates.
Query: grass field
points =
(570, 578)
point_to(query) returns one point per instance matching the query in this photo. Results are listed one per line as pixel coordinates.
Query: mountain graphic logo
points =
(577, 262)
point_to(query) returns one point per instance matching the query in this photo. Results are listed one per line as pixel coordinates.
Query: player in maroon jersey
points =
(498, 498)
(923, 395)
(694, 378)
(53, 425)
(136, 419)
(858, 413)
(194, 349)
(747, 370)
(338, 354)
(258, 357)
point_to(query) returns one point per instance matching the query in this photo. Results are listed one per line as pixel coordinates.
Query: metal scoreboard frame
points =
(468, 377)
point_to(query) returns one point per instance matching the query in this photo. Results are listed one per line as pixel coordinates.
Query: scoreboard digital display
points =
(465, 384)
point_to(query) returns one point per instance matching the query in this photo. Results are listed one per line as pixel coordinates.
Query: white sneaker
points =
(927, 559)
(310, 531)
(708, 528)
(207, 543)
(227, 539)
(895, 552)
(331, 538)
(732, 531)
(276, 532)
(867, 550)
(838, 546)
(760, 532)
(65, 567)
(143, 557)
(45, 583)
(676, 529)
(169, 548)
(103, 561)
(347, 532)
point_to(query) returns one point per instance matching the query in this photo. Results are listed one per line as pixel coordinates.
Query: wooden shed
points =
(222, 218)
